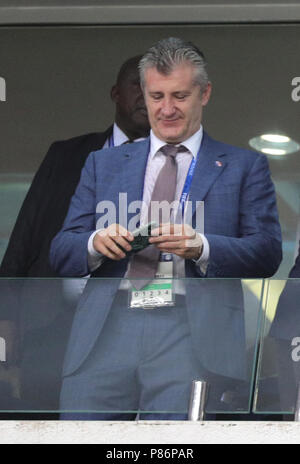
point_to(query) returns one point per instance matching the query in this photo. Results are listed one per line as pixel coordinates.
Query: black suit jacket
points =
(46, 205)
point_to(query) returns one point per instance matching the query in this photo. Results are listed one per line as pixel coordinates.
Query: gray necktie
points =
(144, 264)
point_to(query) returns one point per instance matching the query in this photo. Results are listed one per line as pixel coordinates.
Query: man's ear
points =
(114, 93)
(206, 94)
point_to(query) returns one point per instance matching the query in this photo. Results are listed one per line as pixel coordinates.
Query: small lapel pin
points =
(219, 164)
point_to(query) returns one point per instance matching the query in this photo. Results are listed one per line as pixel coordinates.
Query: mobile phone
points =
(141, 238)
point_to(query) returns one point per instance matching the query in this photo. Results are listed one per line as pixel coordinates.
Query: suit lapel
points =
(210, 164)
(134, 162)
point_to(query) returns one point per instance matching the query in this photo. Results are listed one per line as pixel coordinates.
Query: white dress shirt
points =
(74, 287)
(155, 162)
(119, 137)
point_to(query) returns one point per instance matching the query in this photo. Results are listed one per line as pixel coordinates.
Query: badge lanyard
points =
(188, 180)
(160, 292)
(186, 189)
(187, 184)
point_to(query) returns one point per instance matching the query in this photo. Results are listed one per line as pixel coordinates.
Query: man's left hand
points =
(180, 239)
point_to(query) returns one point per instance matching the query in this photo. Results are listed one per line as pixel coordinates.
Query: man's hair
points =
(169, 53)
(127, 67)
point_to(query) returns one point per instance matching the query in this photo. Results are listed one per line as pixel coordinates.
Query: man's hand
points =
(107, 240)
(180, 239)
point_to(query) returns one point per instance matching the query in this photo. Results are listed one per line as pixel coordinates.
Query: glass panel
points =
(74, 345)
(278, 373)
(13, 188)
(54, 71)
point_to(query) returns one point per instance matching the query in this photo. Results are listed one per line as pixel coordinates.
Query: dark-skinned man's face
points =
(131, 112)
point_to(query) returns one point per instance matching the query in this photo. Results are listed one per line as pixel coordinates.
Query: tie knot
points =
(172, 150)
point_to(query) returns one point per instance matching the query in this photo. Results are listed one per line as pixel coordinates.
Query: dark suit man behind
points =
(46, 313)
(146, 359)
(47, 202)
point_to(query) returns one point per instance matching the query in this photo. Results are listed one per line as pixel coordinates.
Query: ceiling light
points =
(275, 138)
(274, 144)
(273, 151)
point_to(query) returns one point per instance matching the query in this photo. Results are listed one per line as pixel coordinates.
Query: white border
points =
(55, 432)
(151, 14)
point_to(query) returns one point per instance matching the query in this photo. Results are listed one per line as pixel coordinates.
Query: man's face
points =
(131, 112)
(174, 103)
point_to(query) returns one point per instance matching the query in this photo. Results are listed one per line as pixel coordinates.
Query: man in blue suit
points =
(124, 359)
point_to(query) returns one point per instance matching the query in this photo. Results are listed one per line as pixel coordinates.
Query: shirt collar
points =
(120, 137)
(192, 143)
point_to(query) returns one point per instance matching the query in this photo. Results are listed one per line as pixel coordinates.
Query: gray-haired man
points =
(125, 359)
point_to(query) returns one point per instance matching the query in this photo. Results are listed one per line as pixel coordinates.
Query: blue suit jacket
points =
(241, 225)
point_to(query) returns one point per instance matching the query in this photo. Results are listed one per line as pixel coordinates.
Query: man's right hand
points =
(106, 241)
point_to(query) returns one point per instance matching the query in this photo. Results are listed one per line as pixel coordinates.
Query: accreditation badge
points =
(159, 292)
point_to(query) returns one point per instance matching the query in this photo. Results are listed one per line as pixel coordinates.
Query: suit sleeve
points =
(22, 246)
(69, 248)
(256, 252)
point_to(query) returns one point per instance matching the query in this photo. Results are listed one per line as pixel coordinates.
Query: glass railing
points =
(278, 370)
(96, 348)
